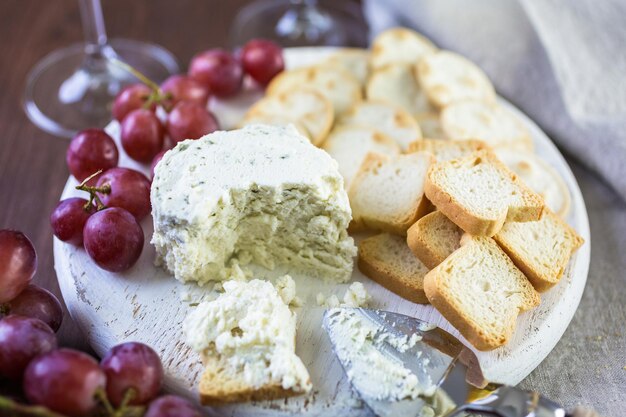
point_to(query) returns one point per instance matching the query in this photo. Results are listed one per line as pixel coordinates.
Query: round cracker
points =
(491, 123)
(332, 81)
(306, 106)
(396, 84)
(430, 125)
(389, 119)
(349, 145)
(353, 60)
(540, 177)
(399, 46)
(447, 77)
(275, 120)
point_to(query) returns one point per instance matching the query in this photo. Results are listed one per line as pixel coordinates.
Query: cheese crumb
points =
(356, 296)
(286, 288)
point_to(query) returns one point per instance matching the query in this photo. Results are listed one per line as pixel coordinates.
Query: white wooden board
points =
(146, 304)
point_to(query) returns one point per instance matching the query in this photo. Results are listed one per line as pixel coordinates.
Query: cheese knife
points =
(445, 369)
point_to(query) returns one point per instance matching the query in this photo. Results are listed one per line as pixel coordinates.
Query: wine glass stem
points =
(93, 28)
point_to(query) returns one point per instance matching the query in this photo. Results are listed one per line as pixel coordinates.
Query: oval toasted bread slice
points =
(447, 77)
(399, 45)
(540, 177)
(349, 145)
(491, 123)
(305, 106)
(397, 84)
(332, 81)
(388, 118)
(353, 60)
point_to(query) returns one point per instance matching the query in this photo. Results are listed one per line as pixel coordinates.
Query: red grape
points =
(113, 239)
(262, 60)
(132, 365)
(155, 161)
(130, 190)
(142, 135)
(171, 406)
(90, 151)
(190, 121)
(131, 98)
(18, 263)
(69, 218)
(218, 70)
(38, 303)
(183, 88)
(64, 381)
(21, 339)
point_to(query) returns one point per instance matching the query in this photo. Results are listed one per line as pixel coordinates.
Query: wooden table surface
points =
(583, 368)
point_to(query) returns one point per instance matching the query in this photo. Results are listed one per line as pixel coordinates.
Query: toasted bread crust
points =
(420, 240)
(409, 288)
(446, 304)
(474, 334)
(540, 279)
(471, 222)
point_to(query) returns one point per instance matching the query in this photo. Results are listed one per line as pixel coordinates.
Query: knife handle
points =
(514, 402)
(582, 412)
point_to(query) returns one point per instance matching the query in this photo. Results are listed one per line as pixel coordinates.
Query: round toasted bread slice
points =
(349, 145)
(388, 118)
(353, 60)
(397, 84)
(447, 77)
(275, 120)
(340, 87)
(491, 123)
(430, 125)
(399, 45)
(540, 177)
(305, 106)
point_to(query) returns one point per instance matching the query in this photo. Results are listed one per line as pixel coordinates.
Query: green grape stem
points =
(156, 96)
(93, 196)
(15, 409)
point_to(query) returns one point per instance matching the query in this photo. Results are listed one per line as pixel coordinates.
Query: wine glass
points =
(73, 88)
(301, 23)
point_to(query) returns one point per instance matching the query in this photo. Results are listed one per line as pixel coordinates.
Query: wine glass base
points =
(290, 23)
(64, 94)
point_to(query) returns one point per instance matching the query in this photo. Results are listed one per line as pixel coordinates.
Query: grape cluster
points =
(67, 382)
(112, 238)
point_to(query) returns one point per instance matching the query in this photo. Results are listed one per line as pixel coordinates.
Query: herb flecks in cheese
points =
(261, 194)
(251, 329)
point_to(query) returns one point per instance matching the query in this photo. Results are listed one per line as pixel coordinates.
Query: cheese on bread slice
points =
(480, 292)
(246, 338)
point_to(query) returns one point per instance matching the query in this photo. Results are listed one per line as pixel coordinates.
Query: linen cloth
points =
(564, 64)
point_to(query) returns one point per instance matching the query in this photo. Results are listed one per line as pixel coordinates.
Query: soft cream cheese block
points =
(261, 194)
(251, 333)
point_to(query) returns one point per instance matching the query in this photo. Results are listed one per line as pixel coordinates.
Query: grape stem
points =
(21, 410)
(124, 410)
(4, 310)
(93, 196)
(156, 96)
